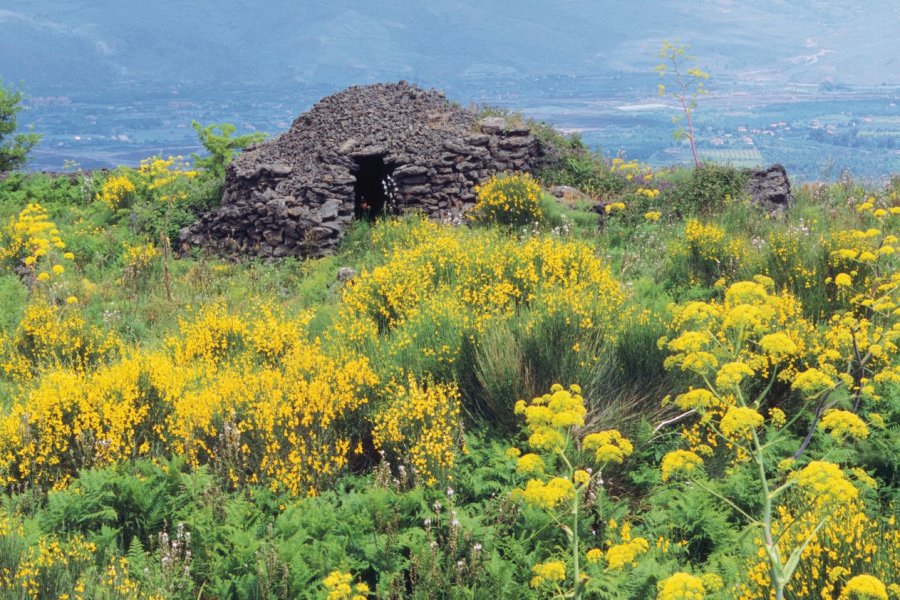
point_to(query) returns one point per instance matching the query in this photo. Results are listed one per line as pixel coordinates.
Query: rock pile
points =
(357, 154)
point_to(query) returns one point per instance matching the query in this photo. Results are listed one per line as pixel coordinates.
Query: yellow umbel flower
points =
(777, 417)
(864, 587)
(546, 438)
(610, 446)
(621, 555)
(548, 572)
(842, 424)
(812, 382)
(681, 586)
(778, 346)
(697, 399)
(825, 483)
(843, 280)
(679, 461)
(529, 463)
(339, 587)
(581, 477)
(740, 421)
(546, 495)
(731, 374)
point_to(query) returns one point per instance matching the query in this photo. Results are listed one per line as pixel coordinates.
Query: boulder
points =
(770, 188)
(568, 194)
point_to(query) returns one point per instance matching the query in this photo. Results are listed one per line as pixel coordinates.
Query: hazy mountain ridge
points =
(59, 44)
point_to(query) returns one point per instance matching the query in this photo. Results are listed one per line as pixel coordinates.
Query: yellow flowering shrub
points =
(50, 336)
(138, 260)
(214, 395)
(476, 276)
(289, 418)
(512, 199)
(157, 174)
(30, 237)
(422, 425)
(862, 254)
(706, 254)
(33, 241)
(117, 191)
(704, 238)
(211, 335)
(72, 420)
(45, 568)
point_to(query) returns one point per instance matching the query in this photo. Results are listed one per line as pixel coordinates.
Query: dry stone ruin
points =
(358, 154)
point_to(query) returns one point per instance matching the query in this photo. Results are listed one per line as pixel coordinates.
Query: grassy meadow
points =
(676, 396)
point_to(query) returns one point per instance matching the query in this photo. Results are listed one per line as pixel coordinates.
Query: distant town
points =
(818, 132)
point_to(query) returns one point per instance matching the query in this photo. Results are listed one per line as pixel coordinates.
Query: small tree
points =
(690, 87)
(220, 145)
(13, 148)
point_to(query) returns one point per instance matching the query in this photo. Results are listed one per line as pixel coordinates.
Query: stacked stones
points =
(294, 195)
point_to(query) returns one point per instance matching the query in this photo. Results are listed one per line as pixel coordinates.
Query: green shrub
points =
(705, 190)
(584, 170)
(14, 149)
(221, 146)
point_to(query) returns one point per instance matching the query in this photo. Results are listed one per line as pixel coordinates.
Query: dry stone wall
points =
(363, 151)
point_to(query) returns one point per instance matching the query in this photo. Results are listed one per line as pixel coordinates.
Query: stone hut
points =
(358, 154)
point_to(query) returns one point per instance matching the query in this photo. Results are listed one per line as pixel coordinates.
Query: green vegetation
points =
(656, 391)
(221, 146)
(14, 147)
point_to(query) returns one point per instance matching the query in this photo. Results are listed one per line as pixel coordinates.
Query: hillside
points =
(651, 388)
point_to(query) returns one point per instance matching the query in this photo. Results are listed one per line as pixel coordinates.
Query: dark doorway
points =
(374, 187)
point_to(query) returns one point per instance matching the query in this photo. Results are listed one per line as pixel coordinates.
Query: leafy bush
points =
(706, 189)
(221, 146)
(13, 150)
